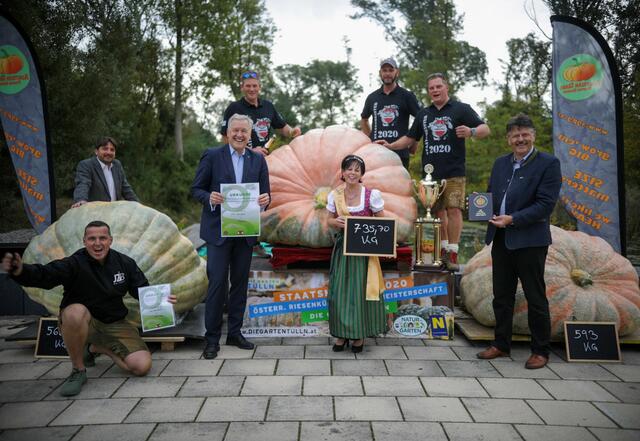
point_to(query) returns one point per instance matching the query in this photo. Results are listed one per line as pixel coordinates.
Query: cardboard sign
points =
(592, 341)
(50, 343)
(370, 236)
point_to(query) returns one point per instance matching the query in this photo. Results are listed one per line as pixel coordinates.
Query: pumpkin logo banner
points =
(587, 130)
(22, 115)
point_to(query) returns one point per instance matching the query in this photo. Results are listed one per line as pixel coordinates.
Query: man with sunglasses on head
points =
(261, 111)
(390, 106)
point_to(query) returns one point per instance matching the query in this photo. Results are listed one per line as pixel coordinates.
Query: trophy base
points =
(435, 266)
(428, 220)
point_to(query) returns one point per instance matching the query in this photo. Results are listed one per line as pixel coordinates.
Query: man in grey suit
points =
(102, 177)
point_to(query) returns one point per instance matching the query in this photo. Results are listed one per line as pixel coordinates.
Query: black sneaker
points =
(73, 384)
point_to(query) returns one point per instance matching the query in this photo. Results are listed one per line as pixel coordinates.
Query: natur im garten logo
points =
(14, 70)
(410, 325)
(579, 77)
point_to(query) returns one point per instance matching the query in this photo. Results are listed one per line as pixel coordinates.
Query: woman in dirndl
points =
(356, 306)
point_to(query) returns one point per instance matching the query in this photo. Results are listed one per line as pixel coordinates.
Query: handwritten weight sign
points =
(592, 341)
(370, 236)
(50, 343)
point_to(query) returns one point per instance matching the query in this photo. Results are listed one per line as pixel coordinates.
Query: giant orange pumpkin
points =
(302, 175)
(586, 280)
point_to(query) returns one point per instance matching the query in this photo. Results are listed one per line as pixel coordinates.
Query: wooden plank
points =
(632, 339)
(163, 339)
(167, 346)
(474, 331)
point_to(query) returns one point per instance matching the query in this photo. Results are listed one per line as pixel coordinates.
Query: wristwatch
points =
(473, 132)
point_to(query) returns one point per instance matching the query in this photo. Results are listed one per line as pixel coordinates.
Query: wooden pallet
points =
(474, 331)
(166, 343)
(192, 326)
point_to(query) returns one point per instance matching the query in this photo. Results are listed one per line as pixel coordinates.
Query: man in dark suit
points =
(231, 163)
(525, 185)
(102, 177)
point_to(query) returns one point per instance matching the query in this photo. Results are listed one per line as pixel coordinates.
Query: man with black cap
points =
(390, 106)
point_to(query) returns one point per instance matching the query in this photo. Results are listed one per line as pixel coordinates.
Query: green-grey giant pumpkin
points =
(144, 234)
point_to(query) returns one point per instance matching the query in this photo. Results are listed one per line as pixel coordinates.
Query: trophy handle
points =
(443, 185)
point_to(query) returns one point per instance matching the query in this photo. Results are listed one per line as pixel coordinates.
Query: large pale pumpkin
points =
(585, 279)
(144, 234)
(302, 175)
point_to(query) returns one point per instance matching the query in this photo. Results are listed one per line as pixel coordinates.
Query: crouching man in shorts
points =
(92, 311)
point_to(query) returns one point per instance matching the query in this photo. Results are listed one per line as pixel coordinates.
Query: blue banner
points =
(22, 114)
(432, 290)
(587, 130)
(277, 308)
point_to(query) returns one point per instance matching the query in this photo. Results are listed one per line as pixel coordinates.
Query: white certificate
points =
(155, 310)
(240, 211)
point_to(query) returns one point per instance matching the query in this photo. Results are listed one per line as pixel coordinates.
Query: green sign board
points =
(314, 316)
(391, 306)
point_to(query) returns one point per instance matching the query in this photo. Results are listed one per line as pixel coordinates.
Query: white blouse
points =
(375, 201)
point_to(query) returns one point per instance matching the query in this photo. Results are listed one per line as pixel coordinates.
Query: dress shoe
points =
(490, 353)
(240, 342)
(536, 361)
(210, 352)
(357, 349)
(339, 348)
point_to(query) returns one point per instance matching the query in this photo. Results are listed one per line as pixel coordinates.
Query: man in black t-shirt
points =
(390, 107)
(92, 311)
(444, 126)
(261, 111)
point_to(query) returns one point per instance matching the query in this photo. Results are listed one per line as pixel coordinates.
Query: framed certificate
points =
(240, 211)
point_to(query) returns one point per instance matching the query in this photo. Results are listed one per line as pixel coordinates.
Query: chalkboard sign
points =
(592, 341)
(370, 236)
(50, 343)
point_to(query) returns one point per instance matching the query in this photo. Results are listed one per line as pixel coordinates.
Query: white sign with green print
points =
(155, 310)
(240, 215)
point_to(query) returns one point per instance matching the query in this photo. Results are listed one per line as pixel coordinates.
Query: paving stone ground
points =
(299, 390)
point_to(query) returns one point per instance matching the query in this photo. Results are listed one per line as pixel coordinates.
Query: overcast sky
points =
(315, 29)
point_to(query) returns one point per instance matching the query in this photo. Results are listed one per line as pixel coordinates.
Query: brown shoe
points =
(490, 353)
(536, 361)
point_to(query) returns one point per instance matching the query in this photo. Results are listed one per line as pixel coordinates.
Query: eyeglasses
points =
(250, 74)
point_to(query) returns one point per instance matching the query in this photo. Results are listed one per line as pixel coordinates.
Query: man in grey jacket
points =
(102, 177)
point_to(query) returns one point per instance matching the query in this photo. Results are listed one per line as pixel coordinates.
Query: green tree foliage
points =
(319, 94)
(111, 68)
(481, 153)
(106, 73)
(426, 35)
(233, 36)
(527, 72)
(213, 42)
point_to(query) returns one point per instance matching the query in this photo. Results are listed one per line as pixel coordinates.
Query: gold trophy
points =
(427, 229)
